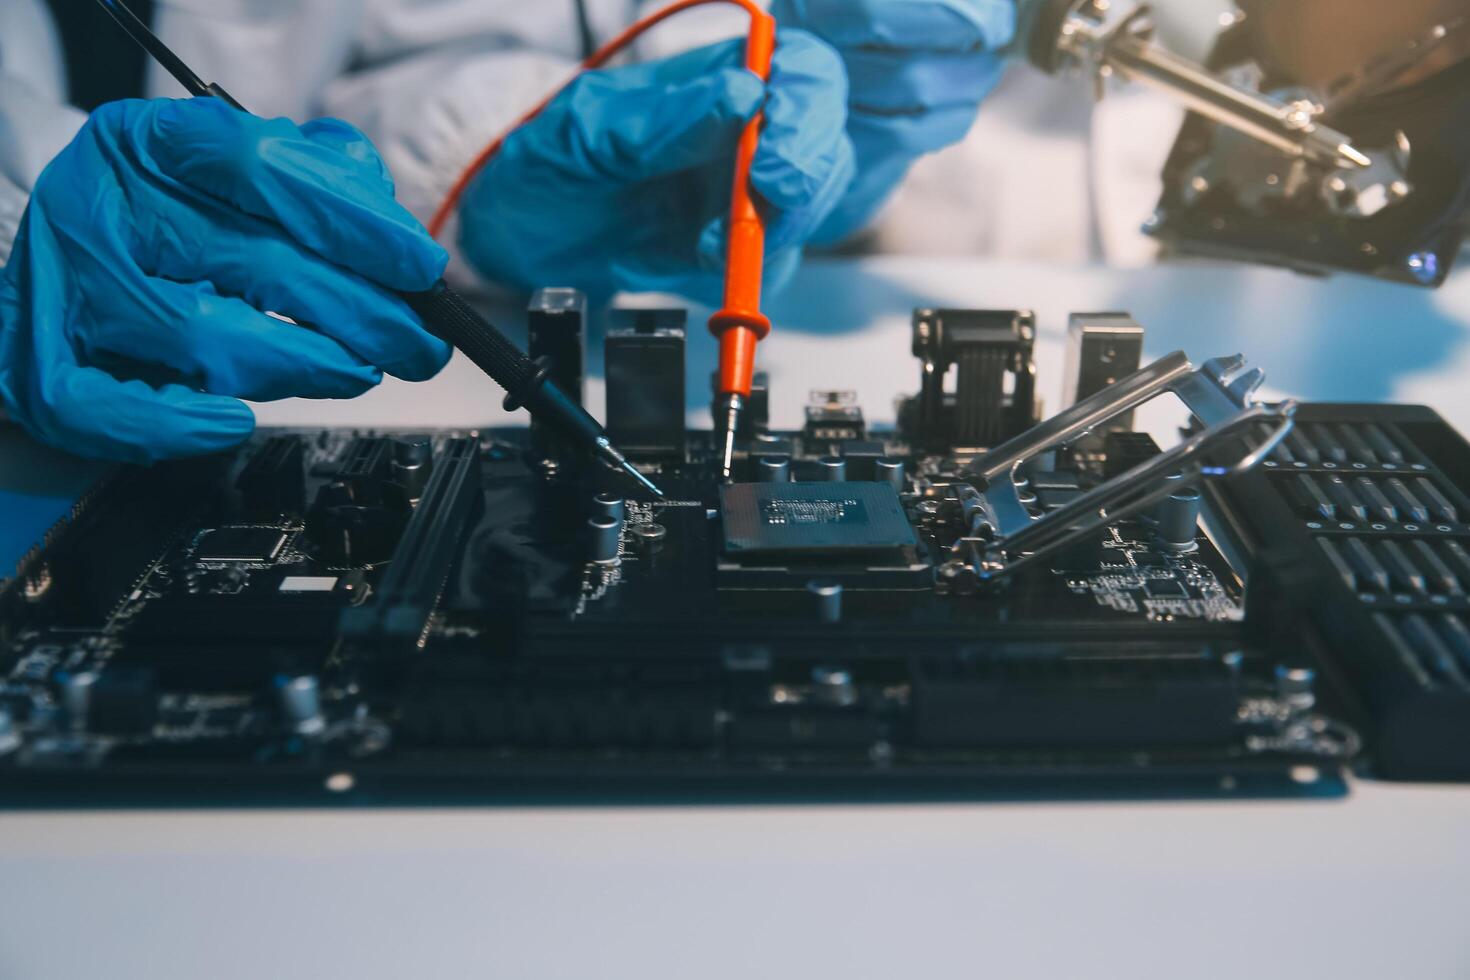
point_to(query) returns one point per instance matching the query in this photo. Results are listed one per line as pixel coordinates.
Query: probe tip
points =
(617, 461)
(643, 481)
(728, 421)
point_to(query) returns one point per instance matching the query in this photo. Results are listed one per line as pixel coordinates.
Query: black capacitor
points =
(649, 537)
(300, 702)
(890, 471)
(644, 364)
(76, 697)
(10, 738)
(833, 469)
(834, 686)
(770, 469)
(603, 536)
(1176, 520)
(414, 449)
(826, 599)
(609, 505)
(413, 461)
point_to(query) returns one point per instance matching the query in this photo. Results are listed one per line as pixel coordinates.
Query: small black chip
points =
(1165, 588)
(253, 544)
(813, 519)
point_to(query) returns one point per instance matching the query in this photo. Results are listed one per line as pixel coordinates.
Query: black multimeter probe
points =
(444, 312)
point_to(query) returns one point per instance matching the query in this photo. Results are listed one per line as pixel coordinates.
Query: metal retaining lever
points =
(1220, 395)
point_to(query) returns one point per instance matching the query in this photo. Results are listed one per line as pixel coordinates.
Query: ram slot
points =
(396, 618)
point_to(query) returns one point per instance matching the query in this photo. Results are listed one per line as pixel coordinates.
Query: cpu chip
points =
(813, 519)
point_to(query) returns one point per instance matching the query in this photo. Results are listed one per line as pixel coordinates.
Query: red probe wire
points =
(597, 59)
(740, 325)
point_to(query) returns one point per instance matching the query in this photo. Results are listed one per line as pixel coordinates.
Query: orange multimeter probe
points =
(740, 325)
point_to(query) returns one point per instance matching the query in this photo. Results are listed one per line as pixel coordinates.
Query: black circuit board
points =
(455, 626)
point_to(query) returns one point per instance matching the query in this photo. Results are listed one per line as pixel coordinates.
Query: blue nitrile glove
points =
(918, 71)
(131, 311)
(624, 181)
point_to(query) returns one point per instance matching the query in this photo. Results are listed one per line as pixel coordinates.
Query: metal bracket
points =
(1108, 38)
(1220, 394)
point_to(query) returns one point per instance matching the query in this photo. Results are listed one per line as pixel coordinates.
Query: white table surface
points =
(1370, 886)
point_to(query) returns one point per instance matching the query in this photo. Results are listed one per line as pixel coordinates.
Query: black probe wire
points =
(445, 313)
(584, 29)
(156, 49)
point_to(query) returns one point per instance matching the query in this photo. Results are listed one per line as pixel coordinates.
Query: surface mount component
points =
(248, 544)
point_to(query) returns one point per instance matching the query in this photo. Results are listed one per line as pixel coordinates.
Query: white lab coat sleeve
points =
(12, 206)
(33, 129)
(431, 115)
(34, 121)
(274, 56)
(432, 106)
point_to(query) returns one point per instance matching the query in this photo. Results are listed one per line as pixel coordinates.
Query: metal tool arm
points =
(1237, 434)
(1107, 38)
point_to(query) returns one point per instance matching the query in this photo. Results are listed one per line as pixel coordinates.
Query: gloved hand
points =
(624, 181)
(918, 69)
(131, 311)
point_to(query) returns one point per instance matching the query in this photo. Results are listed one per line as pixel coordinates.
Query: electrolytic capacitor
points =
(76, 698)
(609, 505)
(834, 686)
(413, 460)
(603, 537)
(1176, 520)
(772, 469)
(1296, 686)
(890, 471)
(649, 537)
(827, 596)
(301, 704)
(832, 469)
(9, 734)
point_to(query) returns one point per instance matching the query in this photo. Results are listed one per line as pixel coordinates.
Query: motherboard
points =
(978, 601)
